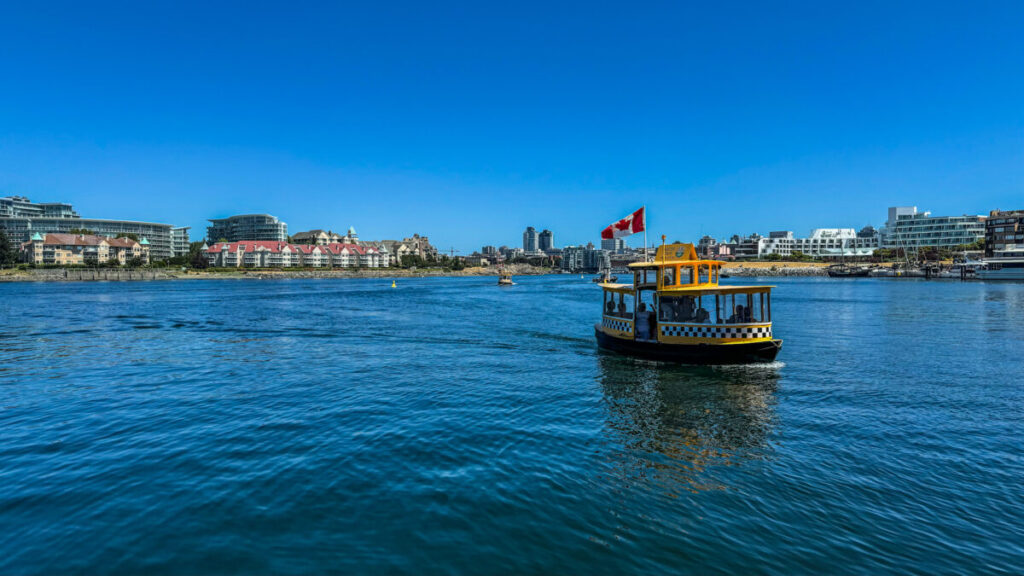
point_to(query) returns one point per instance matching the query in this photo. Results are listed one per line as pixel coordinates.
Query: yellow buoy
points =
(393, 284)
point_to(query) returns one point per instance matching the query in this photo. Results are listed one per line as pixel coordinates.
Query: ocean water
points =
(450, 426)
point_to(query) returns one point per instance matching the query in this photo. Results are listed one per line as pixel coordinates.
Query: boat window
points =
(688, 309)
(618, 305)
(704, 274)
(744, 308)
(668, 277)
(686, 275)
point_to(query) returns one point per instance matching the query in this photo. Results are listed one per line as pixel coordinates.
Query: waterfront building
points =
(318, 237)
(585, 259)
(777, 243)
(546, 241)
(745, 246)
(511, 253)
(530, 240)
(476, 260)
(490, 251)
(1004, 232)
(350, 237)
(414, 245)
(262, 227)
(615, 245)
(907, 228)
(180, 241)
(79, 249)
(268, 254)
(21, 218)
(838, 243)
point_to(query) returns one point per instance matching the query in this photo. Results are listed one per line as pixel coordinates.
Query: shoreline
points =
(733, 269)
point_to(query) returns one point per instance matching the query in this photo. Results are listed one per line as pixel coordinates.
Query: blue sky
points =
(470, 121)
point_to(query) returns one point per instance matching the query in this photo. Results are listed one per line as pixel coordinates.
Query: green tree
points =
(81, 231)
(129, 235)
(8, 253)
(199, 261)
(136, 262)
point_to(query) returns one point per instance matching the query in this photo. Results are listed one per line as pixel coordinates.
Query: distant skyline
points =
(468, 122)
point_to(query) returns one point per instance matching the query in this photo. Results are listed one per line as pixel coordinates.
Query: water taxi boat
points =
(676, 311)
(504, 278)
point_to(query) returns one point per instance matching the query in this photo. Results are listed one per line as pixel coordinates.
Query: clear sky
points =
(469, 121)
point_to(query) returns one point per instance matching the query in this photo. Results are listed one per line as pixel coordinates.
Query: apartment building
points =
(82, 249)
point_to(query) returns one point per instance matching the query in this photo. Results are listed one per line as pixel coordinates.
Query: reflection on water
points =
(676, 424)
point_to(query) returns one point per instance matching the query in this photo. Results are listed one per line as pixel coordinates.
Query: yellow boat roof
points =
(672, 254)
(700, 290)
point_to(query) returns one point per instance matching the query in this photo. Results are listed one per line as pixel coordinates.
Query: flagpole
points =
(646, 255)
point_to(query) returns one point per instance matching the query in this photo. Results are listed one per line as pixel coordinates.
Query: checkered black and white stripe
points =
(616, 324)
(701, 331)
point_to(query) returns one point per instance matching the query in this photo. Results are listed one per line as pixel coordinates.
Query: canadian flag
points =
(635, 222)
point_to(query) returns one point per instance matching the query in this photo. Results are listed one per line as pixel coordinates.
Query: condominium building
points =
(318, 237)
(837, 243)
(530, 240)
(21, 218)
(585, 259)
(909, 229)
(267, 254)
(79, 249)
(615, 245)
(180, 241)
(242, 227)
(546, 241)
(780, 243)
(1004, 232)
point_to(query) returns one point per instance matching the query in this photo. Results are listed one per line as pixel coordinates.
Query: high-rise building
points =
(1004, 232)
(489, 251)
(909, 229)
(21, 218)
(530, 240)
(179, 241)
(616, 245)
(546, 241)
(247, 227)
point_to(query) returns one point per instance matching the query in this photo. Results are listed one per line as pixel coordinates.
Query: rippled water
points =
(451, 426)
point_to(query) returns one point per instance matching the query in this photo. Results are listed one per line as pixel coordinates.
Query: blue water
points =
(451, 426)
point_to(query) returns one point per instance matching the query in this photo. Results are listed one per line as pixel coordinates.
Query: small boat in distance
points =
(504, 278)
(676, 311)
(844, 271)
(605, 276)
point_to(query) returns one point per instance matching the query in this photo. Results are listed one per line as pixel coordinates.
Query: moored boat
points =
(844, 271)
(1004, 265)
(676, 311)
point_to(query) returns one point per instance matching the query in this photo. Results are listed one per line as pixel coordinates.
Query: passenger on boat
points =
(611, 308)
(622, 307)
(667, 307)
(687, 312)
(737, 316)
(701, 316)
(643, 322)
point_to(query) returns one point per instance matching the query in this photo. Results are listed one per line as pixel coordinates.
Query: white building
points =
(909, 229)
(836, 243)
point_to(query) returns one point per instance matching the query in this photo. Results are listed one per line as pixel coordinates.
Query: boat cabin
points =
(676, 299)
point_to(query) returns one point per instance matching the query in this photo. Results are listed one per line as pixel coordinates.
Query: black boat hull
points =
(744, 353)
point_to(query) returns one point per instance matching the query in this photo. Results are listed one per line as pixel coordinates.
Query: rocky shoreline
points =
(124, 275)
(744, 271)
